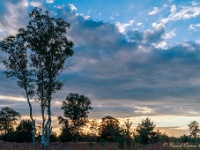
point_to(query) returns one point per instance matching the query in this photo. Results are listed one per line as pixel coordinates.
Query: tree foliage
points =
(76, 109)
(145, 133)
(46, 37)
(17, 67)
(193, 128)
(8, 118)
(24, 131)
(36, 58)
(109, 129)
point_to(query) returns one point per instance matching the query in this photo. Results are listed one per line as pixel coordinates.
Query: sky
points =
(132, 59)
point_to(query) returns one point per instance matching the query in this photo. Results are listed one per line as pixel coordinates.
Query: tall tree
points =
(8, 118)
(76, 109)
(193, 128)
(17, 66)
(46, 37)
(45, 43)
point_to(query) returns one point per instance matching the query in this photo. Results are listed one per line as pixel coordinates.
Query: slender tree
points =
(46, 37)
(17, 66)
(127, 125)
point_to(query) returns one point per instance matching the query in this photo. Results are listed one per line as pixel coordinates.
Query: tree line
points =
(75, 116)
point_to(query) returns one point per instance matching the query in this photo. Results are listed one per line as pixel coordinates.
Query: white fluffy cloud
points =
(182, 13)
(194, 27)
(122, 26)
(154, 11)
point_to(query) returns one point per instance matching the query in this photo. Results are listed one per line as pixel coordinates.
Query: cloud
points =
(123, 73)
(194, 27)
(35, 3)
(122, 26)
(72, 7)
(154, 11)
(139, 23)
(12, 16)
(182, 13)
(50, 1)
(169, 35)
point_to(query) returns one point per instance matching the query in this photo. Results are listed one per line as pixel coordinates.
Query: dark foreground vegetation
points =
(90, 146)
(107, 135)
(69, 146)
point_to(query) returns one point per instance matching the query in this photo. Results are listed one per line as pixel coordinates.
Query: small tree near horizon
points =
(76, 109)
(24, 131)
(194, 129)
(145, 133)
(8, 118)
(109, 129)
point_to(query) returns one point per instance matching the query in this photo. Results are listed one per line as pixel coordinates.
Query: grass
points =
(58, 146)
(82, 146)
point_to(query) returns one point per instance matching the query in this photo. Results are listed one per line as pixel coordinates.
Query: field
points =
(67, 146)
(82, 146)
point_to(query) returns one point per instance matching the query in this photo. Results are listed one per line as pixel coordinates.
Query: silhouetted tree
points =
(145, 133)
(24, 131)
(127, 132)
(194, 129)
(94, 127)
(45, 43)
(53, 137)
(109, 129)
(17, 67)
(66, 134)
(8, 118)
(76, 109)
(46, 37)
(185, 138)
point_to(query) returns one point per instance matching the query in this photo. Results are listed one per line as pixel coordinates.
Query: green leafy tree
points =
(24, 131)
(145, 133)
(8, 118)
(109, 129)
(194, 129)
(76, 109)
